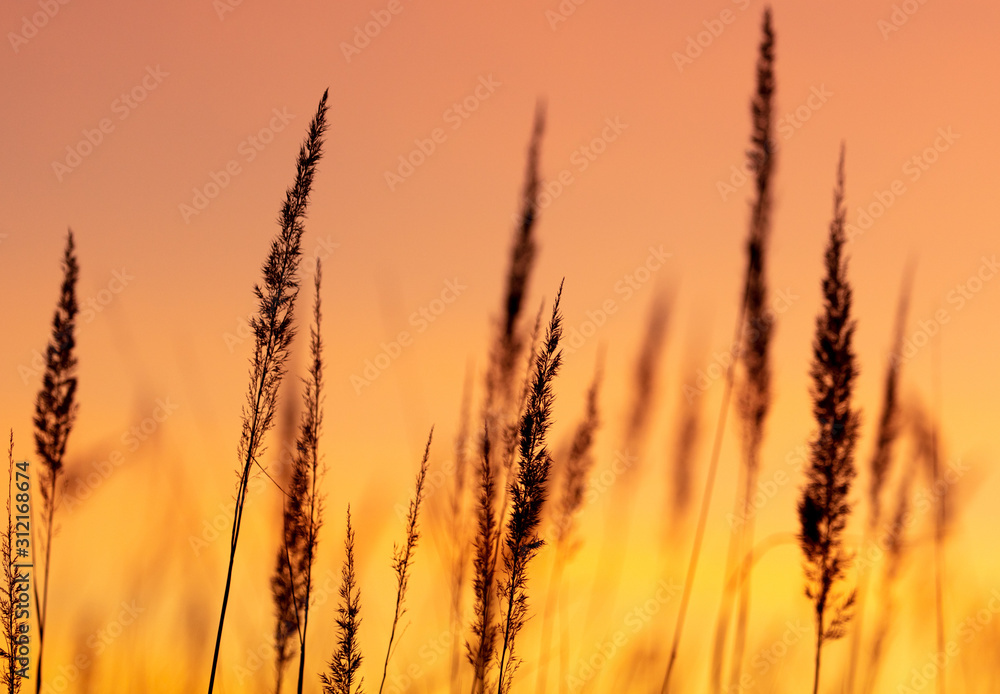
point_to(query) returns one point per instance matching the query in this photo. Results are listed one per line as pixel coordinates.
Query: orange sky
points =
(177, 92)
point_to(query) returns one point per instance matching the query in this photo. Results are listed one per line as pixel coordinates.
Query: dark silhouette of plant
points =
(402, 556)
(527, 492)
(291, 584)
(761, 161)
(480, 648)
(501, 408)
(343, 677)
(55, 413)
(824, 507)
(754, 396)
(273, 330)
(507, 349)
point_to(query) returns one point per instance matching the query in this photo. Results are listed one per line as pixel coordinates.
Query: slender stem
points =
(724, 617)
(819, 649)
(311, 544)
(706, 499)
(238, 516)
(506, 633)
(229, 580)
(742, 617)
(43, 607)
(392, 637)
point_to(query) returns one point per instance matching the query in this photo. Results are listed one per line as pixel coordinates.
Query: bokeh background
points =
(186, 89)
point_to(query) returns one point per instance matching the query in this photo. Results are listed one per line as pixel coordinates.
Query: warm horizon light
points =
(165, 137)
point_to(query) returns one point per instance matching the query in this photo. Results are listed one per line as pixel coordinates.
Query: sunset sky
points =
(164, 135)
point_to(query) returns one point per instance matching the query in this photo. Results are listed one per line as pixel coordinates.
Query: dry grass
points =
(528, 493)
(754, 396)
(292, 583)
(824, 507)
(273, 329)
(55, 412)
(402, 555)
(499, 500)
(344, 677)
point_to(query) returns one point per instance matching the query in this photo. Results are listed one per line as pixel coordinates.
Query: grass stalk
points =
(273, 330)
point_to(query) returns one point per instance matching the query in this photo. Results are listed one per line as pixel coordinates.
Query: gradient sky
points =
(185, 90)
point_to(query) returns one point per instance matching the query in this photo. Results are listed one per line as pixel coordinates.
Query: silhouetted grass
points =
(303, 510)
(273, 330)
(55, 413)
(343, 677)
(527, 492)
(506, 351)
(402, 555)
(824, 506)
(760, 108)
(480, 648)
(754, 395)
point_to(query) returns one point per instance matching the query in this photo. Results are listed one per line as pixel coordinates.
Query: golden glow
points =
(119, 117)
